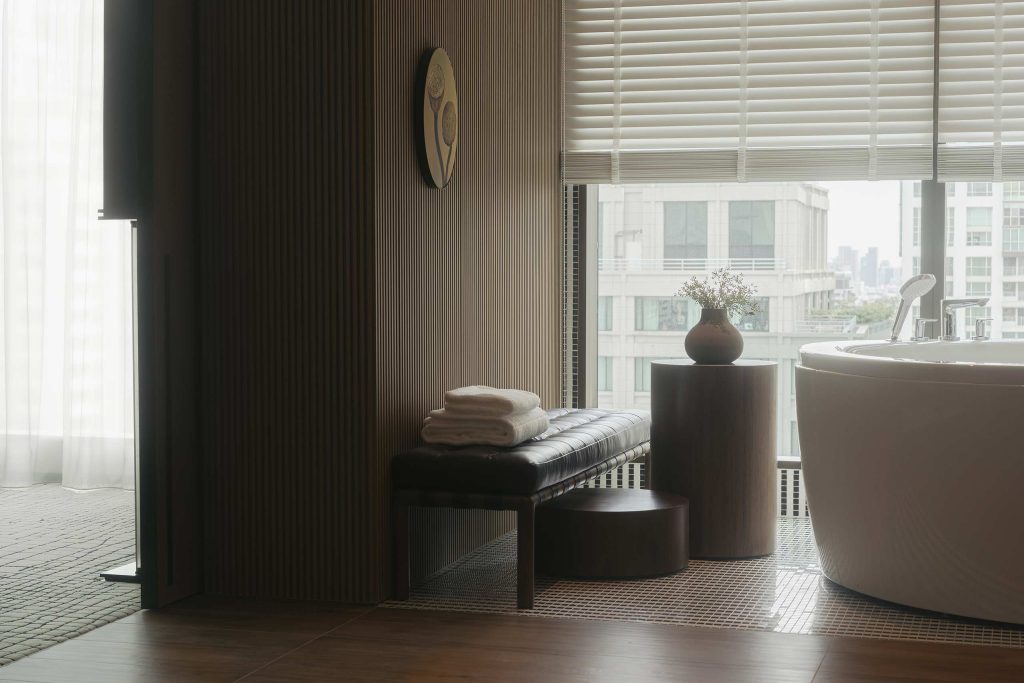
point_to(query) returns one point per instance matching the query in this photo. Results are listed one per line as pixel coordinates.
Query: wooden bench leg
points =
(400, 524)
(524, 555)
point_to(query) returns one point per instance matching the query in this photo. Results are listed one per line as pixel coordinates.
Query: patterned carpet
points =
(785, 593)
(53, 544)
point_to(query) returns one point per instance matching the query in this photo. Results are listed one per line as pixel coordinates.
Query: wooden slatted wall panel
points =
(286, 159)
(468, 277)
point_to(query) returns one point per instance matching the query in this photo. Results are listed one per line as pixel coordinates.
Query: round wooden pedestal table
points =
(713, 441)
(612, 533)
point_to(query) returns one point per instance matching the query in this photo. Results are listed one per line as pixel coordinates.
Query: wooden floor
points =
(226, 640)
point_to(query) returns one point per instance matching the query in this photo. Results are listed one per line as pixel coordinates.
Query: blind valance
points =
(662, 90)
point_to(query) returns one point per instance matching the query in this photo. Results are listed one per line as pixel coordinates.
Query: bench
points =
(579, 445)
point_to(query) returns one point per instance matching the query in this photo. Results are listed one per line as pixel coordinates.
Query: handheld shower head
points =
(912, 289)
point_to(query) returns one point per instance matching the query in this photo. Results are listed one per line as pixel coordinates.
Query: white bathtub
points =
(913, 458)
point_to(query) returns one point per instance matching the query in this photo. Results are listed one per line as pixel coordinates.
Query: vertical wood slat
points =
(286, 163)
(468, 277)
(342, 295)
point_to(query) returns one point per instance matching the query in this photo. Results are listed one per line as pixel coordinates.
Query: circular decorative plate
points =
(440, 118)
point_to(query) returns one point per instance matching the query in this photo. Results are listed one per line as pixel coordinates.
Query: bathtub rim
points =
(838, 356)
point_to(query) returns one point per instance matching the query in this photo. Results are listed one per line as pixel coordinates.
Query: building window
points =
(979, 226)
(1013, 217)
(604, 373)
(751, 229)
(950, 226)
(979, 289)
(1013, 265)
(917, 188)
(642, 374)
(916, 265)
(686, 230)
(658, 314)
(979, 217)
(950, 189)
(757, 322)
(979, 266)
(1009, 290)
(1013, 191)
(1013, 239)
(604, 313)
(979, 189)
(917, 226)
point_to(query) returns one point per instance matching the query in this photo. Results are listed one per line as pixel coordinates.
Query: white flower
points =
(722, 290)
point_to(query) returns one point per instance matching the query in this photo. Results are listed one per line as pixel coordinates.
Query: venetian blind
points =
(981, 90)
(675, 91)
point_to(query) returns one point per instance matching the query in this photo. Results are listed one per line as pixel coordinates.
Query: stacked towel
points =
(485, 415)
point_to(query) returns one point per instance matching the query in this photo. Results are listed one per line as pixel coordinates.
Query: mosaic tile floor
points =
(786, 593)
(53, 544)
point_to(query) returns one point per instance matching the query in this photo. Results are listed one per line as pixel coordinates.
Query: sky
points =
(864, 214)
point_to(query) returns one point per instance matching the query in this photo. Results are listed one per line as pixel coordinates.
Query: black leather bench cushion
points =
(576, 441)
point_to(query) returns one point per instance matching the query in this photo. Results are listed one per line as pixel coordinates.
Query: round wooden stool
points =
(612, 533)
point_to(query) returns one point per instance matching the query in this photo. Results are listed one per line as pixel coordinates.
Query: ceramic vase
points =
(714, 340)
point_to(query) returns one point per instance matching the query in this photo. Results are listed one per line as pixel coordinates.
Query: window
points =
(917, 226)
(604, 373)
(642, 374)
(751, 229)
(1013, 191)
(1010, 290)
(1013, 265)
(604, 313)
(979, 217)
(979, 289)
(757, 322)
(661, 314)
(916, 265)
(979, 189)
(950, 189)
(979, 226)
(917, 189)
(1013, 239)
(1013, 217)
(1010, 315)
(686, 230)
(950, 226)
(979, 266)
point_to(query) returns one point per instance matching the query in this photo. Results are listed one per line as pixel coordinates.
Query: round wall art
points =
(440, 118)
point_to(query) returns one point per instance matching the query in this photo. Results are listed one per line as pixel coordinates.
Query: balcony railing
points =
(689, 264)
(827, 325)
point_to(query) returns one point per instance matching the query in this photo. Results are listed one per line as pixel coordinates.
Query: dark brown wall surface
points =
(286, 218)
(468, 277)
(342, 295)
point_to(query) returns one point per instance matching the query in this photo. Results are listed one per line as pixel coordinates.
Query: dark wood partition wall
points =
(286, 165)
(468, 277)
(341, 294)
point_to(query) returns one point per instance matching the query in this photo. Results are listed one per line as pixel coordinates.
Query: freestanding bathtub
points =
(913, 459)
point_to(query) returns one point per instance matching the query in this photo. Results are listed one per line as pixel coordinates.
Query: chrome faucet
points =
(948, 309)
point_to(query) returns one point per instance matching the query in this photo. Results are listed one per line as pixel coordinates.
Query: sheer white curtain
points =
(66, 361)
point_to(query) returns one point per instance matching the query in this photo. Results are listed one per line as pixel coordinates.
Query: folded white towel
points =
(447, 428)
(488, 401)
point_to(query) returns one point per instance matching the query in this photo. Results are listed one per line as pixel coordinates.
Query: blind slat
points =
(660, 90)
(981, 90)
